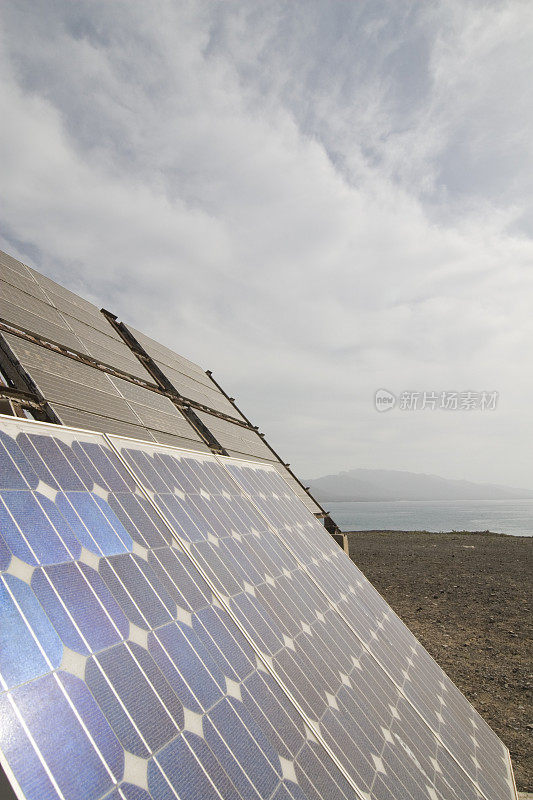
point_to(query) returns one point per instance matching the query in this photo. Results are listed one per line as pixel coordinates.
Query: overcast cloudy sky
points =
(314, 199)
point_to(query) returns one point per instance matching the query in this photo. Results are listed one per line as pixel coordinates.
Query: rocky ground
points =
(467, 598)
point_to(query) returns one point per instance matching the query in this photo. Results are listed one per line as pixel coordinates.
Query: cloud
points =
(309, 204)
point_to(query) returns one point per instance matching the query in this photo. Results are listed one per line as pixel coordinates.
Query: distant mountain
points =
(389, 484)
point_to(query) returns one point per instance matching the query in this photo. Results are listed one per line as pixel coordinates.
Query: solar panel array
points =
(122, 675)
(408, 666)
(81, 395)
(178, 625)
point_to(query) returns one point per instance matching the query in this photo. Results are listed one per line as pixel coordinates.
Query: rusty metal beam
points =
(23, 392)
(19, 396)
(76, 355)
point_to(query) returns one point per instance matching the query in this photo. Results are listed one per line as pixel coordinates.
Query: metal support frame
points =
(23, 392)
(19, 400)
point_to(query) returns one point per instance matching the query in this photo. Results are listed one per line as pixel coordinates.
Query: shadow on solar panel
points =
(178, 625)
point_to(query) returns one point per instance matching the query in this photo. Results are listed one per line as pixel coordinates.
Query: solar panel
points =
(177, 624)
(51, 326)
(324, 661)
(83, 396)
(122, 675)
(39, 305)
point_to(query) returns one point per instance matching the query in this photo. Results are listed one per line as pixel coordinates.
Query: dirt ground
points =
(467, 598)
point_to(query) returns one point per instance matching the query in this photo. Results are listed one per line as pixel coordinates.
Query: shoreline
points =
(466, 596)
(436, 533)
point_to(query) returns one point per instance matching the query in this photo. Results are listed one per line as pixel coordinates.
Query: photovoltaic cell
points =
(122, 676)
(321, 659)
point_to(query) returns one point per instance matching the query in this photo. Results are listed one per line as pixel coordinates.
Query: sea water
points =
(514, 517)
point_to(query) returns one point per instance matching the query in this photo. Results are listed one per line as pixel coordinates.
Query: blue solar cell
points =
(251, 614)
(31, 774)
(265, 701)
(29, 645)
(173, 479)
(219, 478)
(101, 466)
(13, 538)
(183, 517)
(30, 462)
(459, 782)
(131, 581)
(213, 522)
(86, 713)
(188, 474)
(251, 763)
(142, 465)
(38, 529)
(224, 642)
(204, 479)
(179, 578)
(82, 756)
(243, 509)
(80, 606)
(187, 666)
(302, 687)
(187, 769)
(96, 526)
(140, 519)
(220, 508)
(236, 552)
(220, 566)
(5, 555)
(16, 472)
(41, 451)
(317, 776)
(135, 697)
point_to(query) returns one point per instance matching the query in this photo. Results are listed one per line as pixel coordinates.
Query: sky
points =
(316, 200)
